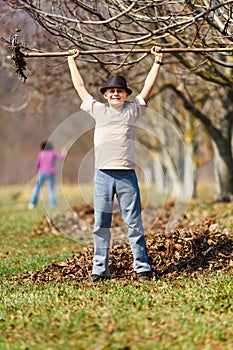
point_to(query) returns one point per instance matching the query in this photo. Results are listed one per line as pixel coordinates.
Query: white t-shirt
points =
(114, 132)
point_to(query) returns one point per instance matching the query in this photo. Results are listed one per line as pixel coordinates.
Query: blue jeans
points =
(123, 184)
(42, 177)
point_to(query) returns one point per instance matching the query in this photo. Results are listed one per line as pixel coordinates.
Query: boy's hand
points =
(73, 54)
(156, 51)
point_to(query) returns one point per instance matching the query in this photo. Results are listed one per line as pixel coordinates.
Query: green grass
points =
(168, 314)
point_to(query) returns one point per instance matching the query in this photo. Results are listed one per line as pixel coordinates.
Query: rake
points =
(18, 56)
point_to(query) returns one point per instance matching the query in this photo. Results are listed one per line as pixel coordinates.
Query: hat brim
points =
(103, 89)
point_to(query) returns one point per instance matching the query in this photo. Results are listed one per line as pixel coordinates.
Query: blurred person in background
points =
(46, 164)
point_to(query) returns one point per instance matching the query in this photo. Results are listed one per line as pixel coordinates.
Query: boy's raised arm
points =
(153, 73)
(76, 76)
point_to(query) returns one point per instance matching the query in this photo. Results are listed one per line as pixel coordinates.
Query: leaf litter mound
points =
(200, 244)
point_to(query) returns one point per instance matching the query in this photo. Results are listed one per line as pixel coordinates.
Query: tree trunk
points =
(190, 175)
(159, 176)
(223, 161)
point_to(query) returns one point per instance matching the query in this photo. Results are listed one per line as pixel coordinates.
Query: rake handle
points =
(94, 52)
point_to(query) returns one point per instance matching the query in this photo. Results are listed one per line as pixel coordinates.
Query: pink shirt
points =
(46, 161)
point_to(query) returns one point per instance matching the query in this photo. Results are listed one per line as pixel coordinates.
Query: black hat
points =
(116, 81)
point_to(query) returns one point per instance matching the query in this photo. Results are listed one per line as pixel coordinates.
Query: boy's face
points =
(116, 97)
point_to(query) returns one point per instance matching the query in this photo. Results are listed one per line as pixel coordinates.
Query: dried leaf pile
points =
(195, 247)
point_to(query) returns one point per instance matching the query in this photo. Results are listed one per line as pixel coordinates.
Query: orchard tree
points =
(196, 37)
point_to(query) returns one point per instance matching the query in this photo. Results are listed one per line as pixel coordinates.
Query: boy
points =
(114, 164)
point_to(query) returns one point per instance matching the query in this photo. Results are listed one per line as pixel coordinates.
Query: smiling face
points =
(116, 97)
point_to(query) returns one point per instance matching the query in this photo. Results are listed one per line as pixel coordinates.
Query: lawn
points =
(173, 312)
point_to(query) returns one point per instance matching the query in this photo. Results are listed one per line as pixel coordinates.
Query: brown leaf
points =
(191, 249)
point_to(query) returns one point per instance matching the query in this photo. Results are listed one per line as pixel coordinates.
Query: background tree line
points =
(194, 91)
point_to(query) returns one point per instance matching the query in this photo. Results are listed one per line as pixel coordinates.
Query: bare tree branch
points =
(106, 30)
